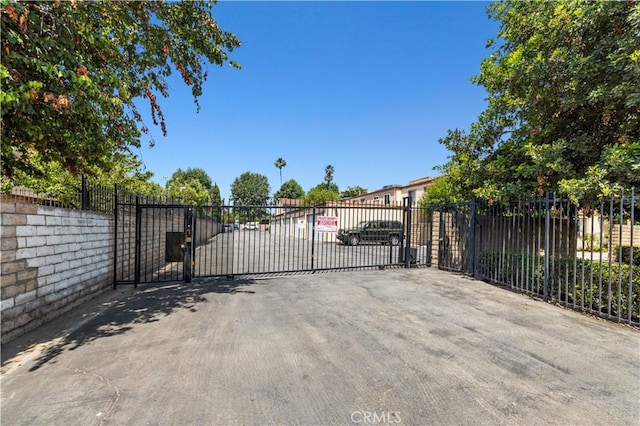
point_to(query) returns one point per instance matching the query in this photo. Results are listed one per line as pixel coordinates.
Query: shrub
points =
(593, 284)
(626, 255)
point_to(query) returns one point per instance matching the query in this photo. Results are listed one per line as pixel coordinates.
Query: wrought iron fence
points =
(586, 256)
(84, 195)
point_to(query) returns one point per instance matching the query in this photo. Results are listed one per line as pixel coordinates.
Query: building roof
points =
(424, 180)
(387, 188)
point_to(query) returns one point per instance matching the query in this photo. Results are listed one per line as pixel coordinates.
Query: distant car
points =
(227, 228)
(372, 231)
(251, 226)
(235, 226)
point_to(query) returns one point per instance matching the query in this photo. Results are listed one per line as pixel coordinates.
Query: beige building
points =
(395, 194)
(298, 222)
(293, 220)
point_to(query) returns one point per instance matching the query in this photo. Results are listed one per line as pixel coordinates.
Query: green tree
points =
(290, 189)
(127, 172)
(71, 72)
(191, 174)
(328, 176)
(189, 192)
(320, 194)
(440, 191)
(250, 189)
(563, 102)
(214, 195)
(193, 186)
(352, 191)
(280, 163)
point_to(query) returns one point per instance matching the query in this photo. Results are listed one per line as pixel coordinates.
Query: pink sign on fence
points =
(327, 224)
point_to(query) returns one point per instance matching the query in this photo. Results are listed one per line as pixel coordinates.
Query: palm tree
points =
(328, 175)
(280, 163)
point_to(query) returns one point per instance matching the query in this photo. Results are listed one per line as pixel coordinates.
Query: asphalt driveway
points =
(396, 346)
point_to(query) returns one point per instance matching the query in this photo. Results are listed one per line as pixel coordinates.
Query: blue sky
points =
(368, 87)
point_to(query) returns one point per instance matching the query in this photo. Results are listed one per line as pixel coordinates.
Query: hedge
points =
(571, 280)
(626, 255)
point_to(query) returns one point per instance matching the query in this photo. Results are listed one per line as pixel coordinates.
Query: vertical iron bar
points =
(407, 252)
(568, 252)
(138, 231)
(525, 245)
(83, 194)
(526, 234)
(599, 305)
(115, 236)
(313, 238)
(503, 271)
(194, 240)
(583, 268)
(547, 226)
(472, 255)
(576, 220)
(620, 258)
(147, 264)
(611, 220)
(510, 256)
(440, 236)
(552, 256)
(630, 291)
(432, 221)
(592, 238)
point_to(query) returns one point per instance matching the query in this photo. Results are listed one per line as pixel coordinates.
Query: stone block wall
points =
(52, 259)
(625, 235)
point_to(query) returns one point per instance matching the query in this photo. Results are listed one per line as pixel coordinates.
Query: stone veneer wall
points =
(52, 259)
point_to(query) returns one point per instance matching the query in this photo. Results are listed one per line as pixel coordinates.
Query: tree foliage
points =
(320, 194)
(440, 191)
(563, 102)
(181, 176)
(71, 71)
(188, 192)
(193, 186)
(280, 163)
(127, 172)
(250, 189)
(214, 195)
(328, 176)
(352, 191)
(291, 189)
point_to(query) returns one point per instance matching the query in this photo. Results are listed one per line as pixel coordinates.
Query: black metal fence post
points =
(313, 239)
(115, 236)
(194, 222)
(407, 248)
(547, 253)
(440, 235)
(138, 247)
(472, 255)
(620, 254)
(630, 290)
(84, 194)
(431, 214)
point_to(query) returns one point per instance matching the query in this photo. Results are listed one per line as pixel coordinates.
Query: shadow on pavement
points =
(148, 304)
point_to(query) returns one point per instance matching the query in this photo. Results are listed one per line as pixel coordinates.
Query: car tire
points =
(394, 240)
(354, 240)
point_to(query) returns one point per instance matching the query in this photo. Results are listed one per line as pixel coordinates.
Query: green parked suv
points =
(372, 231)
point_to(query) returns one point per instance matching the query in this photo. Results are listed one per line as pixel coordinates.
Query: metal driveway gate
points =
(291, 238)
(248, 240)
